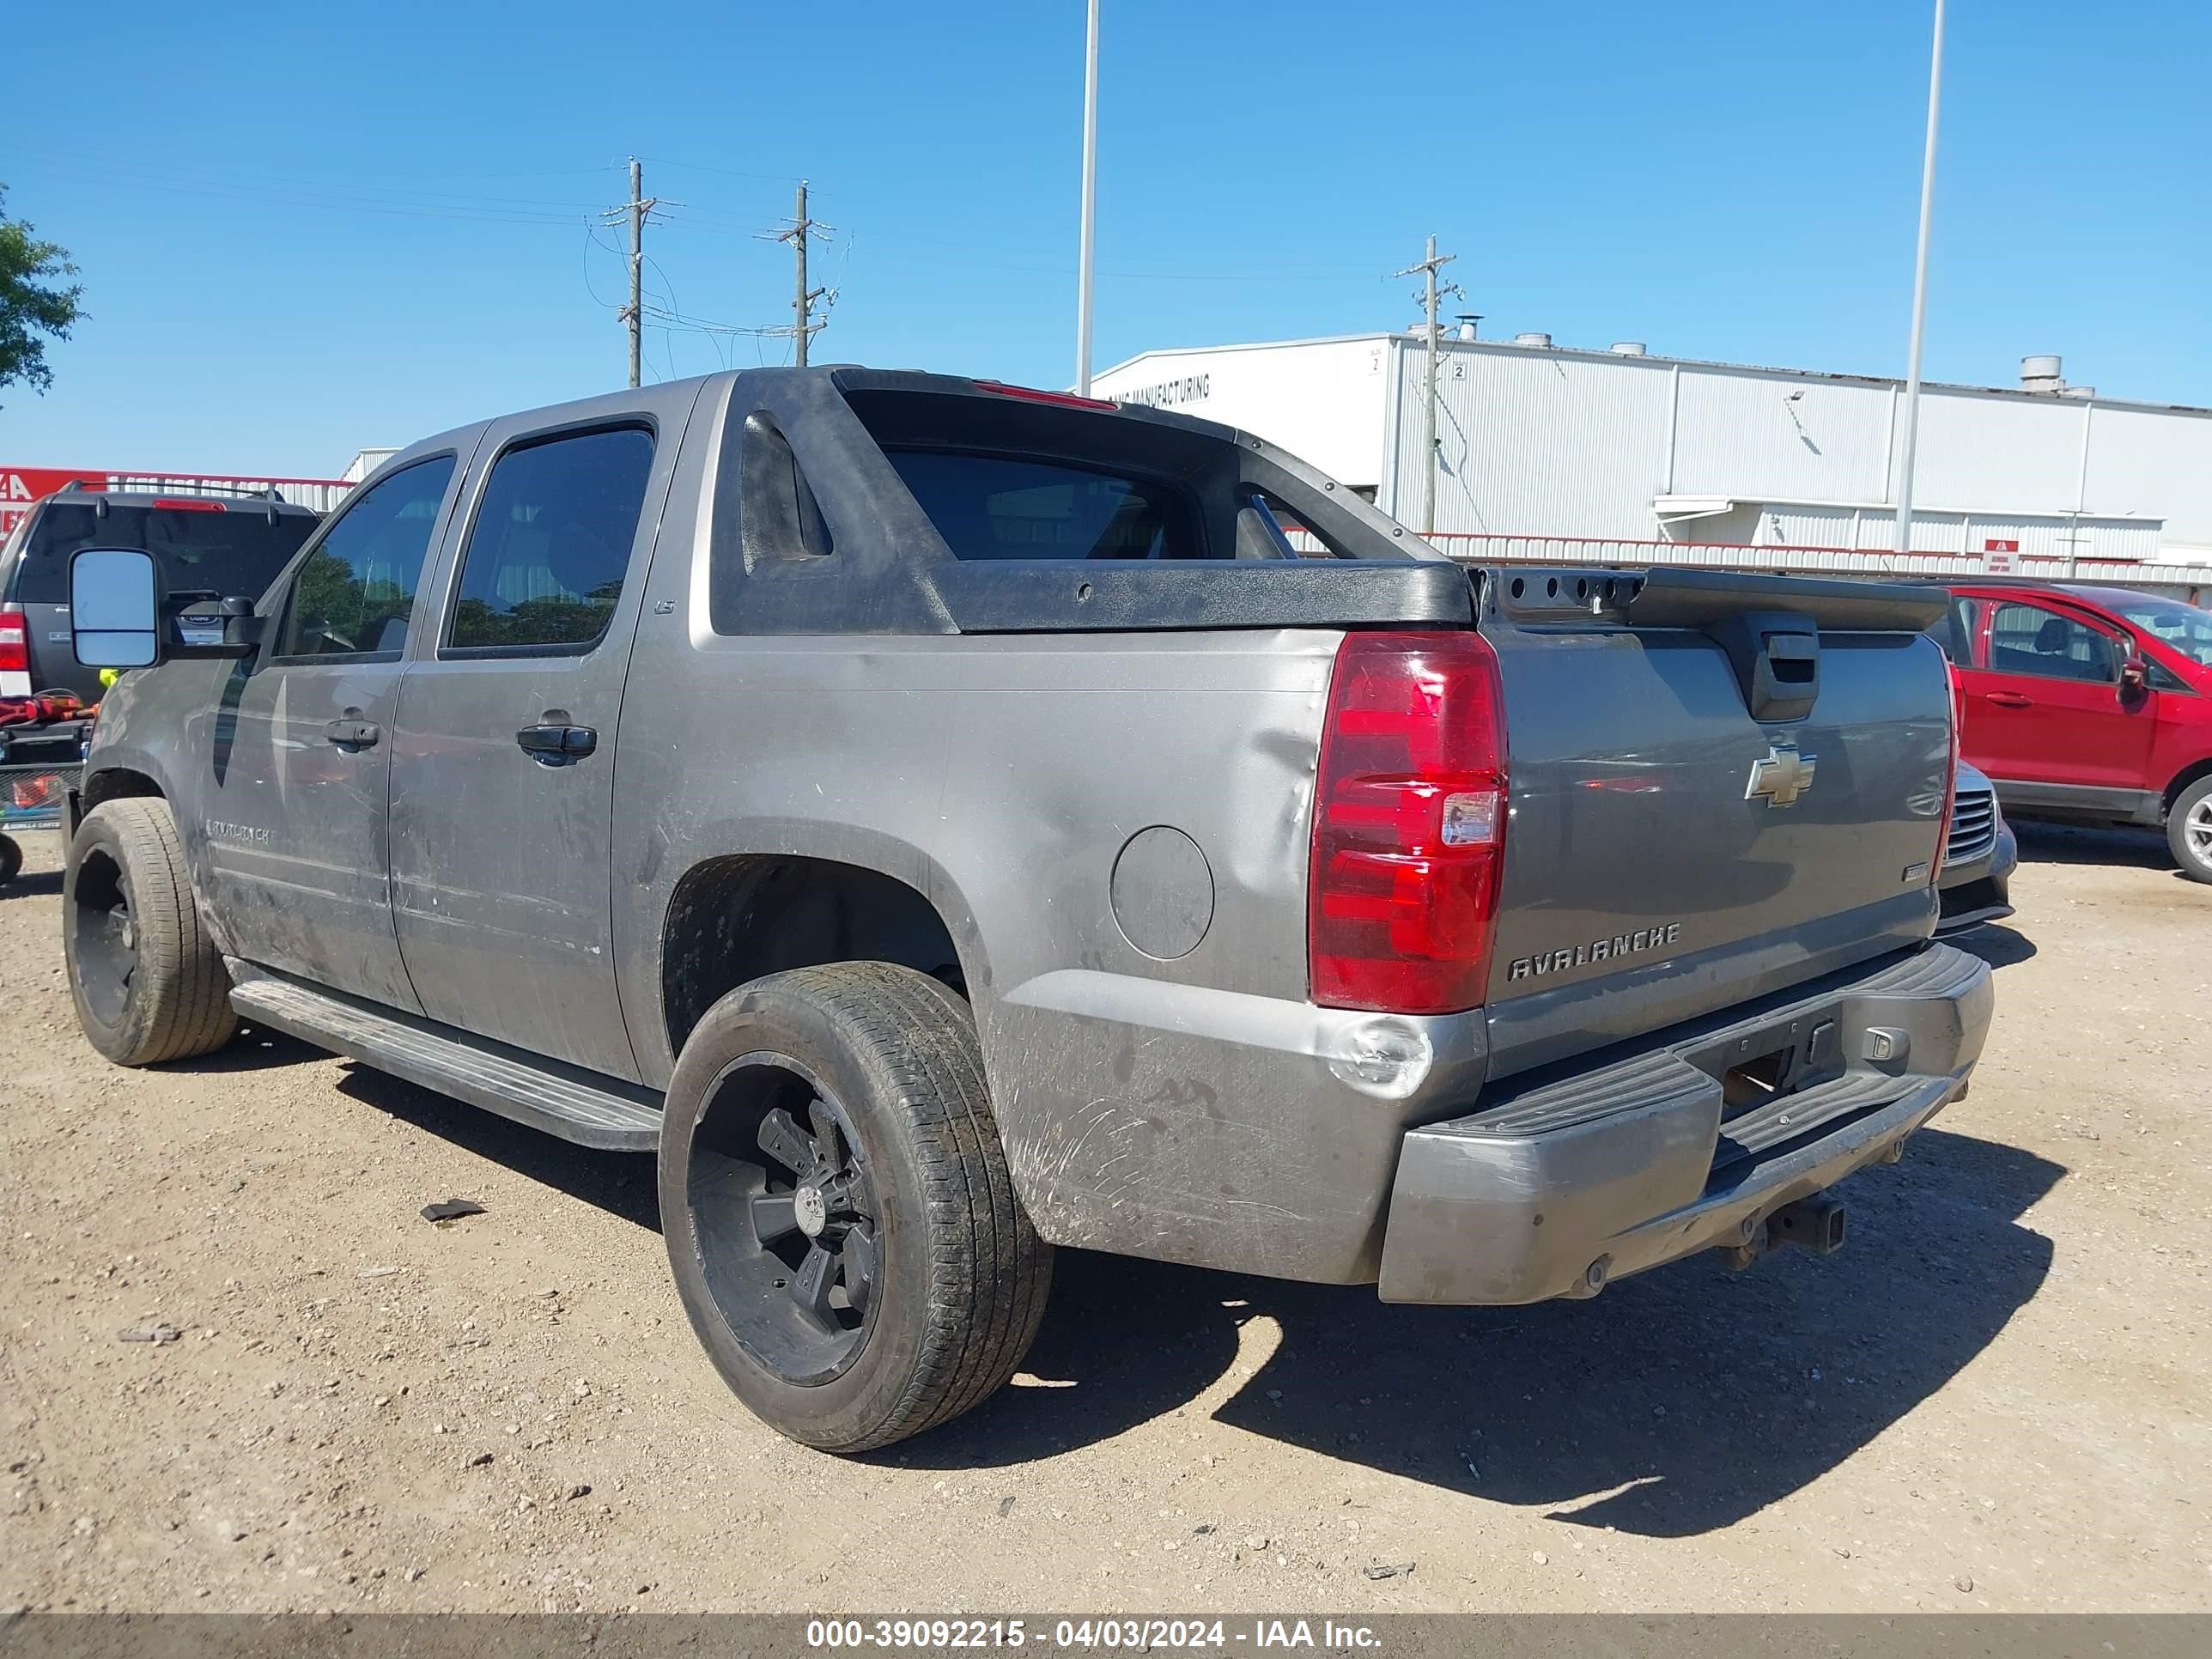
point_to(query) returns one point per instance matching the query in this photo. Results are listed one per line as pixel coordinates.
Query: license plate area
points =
(1757, 1068)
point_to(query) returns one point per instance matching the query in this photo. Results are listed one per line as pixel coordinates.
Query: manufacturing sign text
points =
(1166, 394)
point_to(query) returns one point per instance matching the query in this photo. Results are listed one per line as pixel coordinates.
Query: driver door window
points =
(2026, 639)
(354, 592)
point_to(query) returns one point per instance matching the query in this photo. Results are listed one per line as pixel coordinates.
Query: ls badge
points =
(1782, 775)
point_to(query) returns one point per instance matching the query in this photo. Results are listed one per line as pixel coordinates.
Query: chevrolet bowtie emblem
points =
(1782, 777)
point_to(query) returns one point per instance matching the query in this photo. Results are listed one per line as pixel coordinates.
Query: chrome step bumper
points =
(1556, 1188)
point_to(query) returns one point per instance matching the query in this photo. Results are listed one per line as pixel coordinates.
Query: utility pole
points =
(634, 312)
(1088, 235)
(1431, 297)
(804, 327)
(1919, 294)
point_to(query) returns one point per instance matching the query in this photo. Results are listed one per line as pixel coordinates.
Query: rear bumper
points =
(1561, 1186)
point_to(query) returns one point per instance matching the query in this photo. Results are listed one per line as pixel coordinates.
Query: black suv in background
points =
(225, 544)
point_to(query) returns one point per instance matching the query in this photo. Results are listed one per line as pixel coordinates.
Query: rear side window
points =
(551, 542)
(1002, 506)
(354, 593)
(223, 550)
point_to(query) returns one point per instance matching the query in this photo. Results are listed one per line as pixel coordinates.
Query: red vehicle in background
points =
(2093, 704)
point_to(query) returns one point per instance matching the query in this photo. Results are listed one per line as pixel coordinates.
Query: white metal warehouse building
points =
(1676, 461)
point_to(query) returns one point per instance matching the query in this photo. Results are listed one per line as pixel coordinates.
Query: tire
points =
(148, 982)
(2189, 831)
(871, 1075)
(11, 859)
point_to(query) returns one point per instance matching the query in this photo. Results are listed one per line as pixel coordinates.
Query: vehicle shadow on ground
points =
(2083, 843)
(1678, 1402)
(1999, 947)
(32, 884)
(254, 1050)
(621, 1183)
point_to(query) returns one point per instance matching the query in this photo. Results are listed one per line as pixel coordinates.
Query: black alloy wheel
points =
(782, 1203)
(102, 939)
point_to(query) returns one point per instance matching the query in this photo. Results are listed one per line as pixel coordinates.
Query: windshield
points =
(232, 552)
(2178, 626)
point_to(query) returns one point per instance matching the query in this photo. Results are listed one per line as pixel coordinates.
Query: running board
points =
(437, 1057)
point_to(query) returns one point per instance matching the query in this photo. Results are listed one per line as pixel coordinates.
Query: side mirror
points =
(2135, 675)
(115, 608)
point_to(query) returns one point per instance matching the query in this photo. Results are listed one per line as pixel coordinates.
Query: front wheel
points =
(2189, 831)
(838, 1213)
(148, 982)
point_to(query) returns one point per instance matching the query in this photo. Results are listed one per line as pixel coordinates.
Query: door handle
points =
(352, 731)
(2008, 699)
(556, 745)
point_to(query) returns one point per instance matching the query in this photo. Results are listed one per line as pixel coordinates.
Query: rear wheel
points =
(2189, 831)
(11, 859)
(149, 983)
(839, 1218)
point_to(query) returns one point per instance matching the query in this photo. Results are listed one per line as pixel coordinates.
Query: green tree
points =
(31, 306)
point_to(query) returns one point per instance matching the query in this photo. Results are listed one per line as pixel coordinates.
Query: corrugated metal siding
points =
(1808, 526)
(1530, 437)
(1999, 452)
(2156, 465)
(1781, 438)
(1577, 443)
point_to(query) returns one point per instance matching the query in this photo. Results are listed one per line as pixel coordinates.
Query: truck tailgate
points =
(1720, 787)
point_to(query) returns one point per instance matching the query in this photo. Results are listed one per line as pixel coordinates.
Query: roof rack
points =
(153, 483)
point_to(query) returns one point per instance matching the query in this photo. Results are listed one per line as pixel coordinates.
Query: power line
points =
(702, 325)
(591, 240)
(372, 198)
(674, 304)
(727, 173)
(135, 161)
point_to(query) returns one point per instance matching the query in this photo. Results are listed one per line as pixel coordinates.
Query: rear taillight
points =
(1409, 825)
(1950, 782)
(15, 640)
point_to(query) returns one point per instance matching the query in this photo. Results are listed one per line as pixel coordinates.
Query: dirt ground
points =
(1995, 1399)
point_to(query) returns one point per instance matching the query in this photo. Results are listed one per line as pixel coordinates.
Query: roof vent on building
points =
(1626, 349)
(1531, 339)
(1467, 319)
(2082, 392)
(2040, 375)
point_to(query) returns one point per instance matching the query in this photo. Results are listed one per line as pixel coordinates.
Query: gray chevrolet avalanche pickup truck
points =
(945, 821)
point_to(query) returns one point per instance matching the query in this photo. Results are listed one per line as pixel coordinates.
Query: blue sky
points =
(299, 238)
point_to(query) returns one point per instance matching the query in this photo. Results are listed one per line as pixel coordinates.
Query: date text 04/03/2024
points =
(1136, 1635)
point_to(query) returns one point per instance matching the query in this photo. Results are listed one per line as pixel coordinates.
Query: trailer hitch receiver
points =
(1814, 1223)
